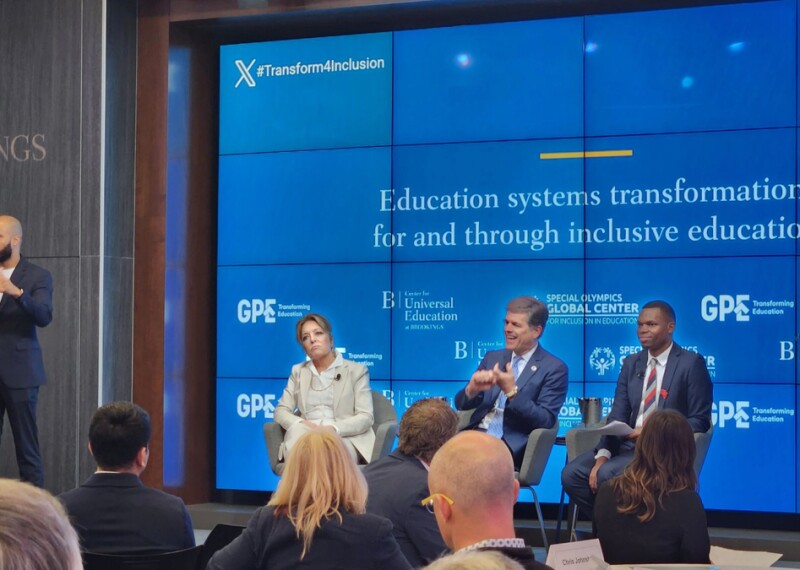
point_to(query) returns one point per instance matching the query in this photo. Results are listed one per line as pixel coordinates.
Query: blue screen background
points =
(596, 162)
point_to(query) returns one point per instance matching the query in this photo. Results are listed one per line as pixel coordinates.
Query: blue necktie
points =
(496, 424)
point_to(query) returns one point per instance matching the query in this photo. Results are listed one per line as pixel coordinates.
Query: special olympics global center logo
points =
(602, 359)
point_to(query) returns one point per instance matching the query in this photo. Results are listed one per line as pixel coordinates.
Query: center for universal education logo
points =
(421, 310)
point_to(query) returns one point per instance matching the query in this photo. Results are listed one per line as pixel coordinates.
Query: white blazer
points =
(352, 403)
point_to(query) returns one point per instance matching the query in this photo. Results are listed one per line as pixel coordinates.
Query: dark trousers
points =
(575, 476)
(20, 405)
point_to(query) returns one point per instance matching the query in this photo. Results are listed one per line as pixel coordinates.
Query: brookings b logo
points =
(602, 359)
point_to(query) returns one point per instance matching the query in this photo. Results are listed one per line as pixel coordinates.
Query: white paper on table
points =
(736, 558)
(613, 428)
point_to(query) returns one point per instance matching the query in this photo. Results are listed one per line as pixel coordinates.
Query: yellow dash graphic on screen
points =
(587, 154)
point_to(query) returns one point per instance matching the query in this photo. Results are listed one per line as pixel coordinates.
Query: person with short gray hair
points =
(35, 533)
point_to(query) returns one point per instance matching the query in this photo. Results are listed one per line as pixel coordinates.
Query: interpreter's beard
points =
(5, 253)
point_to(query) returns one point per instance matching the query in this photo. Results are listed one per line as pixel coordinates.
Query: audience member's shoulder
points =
(605, 494)
(374, 524)
(167, 498)
(685, 497)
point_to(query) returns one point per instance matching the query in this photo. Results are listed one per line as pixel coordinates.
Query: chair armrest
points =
(581, 440)
(273, 437)
(537, 452)
(384, 439)
(702, 442)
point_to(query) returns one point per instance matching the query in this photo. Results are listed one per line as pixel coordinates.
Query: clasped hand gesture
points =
(483, 380)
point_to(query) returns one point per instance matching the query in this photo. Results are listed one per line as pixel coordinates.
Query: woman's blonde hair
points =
(320, 481)
(35, 533)
(663, 463)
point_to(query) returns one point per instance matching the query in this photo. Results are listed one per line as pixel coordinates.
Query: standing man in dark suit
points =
(399, 481)
(26, 302)
(519, 389)
(113, 512)
(663, 376)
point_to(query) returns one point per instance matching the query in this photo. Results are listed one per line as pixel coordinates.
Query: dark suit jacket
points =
(686, 384)
(269, 541)
(542, 389)
(114, 513)
(397, 485)
(20, 351)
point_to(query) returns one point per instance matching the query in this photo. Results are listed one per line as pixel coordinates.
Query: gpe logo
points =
(248, 310)
(249, 405)
(717, 307)
(727, 411)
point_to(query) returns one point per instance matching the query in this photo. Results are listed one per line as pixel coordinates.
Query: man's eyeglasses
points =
(427, 502)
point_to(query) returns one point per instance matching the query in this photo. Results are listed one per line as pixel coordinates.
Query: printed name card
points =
(581, 555)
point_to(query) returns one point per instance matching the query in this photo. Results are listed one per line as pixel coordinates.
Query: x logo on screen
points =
(245, 71)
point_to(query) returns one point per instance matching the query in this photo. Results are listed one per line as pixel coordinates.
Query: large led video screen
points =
(408, 184)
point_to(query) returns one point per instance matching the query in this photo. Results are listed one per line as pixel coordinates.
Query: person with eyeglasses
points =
(473, 492)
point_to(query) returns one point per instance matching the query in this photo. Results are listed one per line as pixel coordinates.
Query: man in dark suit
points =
(26, 302)
(662, 376)
(113, 512)
(399, 481)
(519, 389)
(473, 492)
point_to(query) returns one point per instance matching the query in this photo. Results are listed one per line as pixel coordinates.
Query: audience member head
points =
(473, 489)
(119, 435)
(475, 560)
(663, 463)
(35, 533)
(425, 427)
(319, 481)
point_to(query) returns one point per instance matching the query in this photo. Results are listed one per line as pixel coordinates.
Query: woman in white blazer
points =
(326, 392)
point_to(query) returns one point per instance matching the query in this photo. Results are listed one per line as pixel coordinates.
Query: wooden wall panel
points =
(150, 223)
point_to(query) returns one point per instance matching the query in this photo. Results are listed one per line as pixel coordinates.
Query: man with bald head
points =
(473, 492)
(26, 302)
